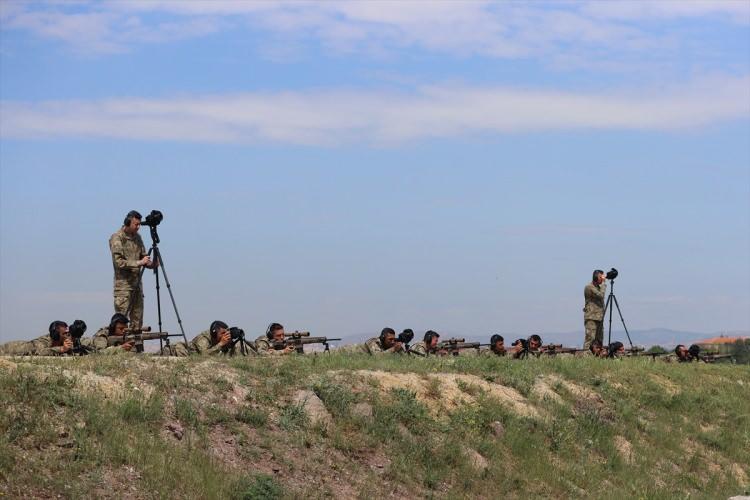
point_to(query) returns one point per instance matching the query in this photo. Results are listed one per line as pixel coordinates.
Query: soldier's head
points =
(598, 277)
(118, 324)
(681, 352)
(694, 351)
(275, 332)
(217, 328)
(535, 342)
(615, 350)
(132, 222)
(595, 347)
(431, 339)
(497, 343)
(387, 337)
(58, 330)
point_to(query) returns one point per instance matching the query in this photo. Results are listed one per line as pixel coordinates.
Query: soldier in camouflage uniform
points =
(117, 326)
(497, 347)
(428, 346)
(56, 343)
(216, 340)
(128, 257)
(616, 350)
(264, 345)
(596, 349)
(593, 310)
(385, 343)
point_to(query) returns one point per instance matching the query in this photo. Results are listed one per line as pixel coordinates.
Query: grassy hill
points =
(355, 426)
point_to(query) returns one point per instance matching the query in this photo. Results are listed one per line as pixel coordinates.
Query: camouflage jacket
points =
(264, 347)
(100, 344)
(421, 349)
(41, 346)
(204, 345)
(126, 252)
(373, 346)
(490, 352)
(594, 296)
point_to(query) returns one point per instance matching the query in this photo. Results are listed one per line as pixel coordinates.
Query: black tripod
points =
(155, 253)
(611, 299)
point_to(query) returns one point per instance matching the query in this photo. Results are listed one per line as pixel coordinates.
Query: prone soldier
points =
(116, 328)
(385, 343)
(616, 350)
(428, 346)
(218, 339)
(56, 342)
(497, 346)
(519, 349)
(265, 345)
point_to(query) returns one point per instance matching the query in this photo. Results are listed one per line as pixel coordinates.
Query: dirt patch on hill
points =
(7, 365)
(624, 449)
(455, 390)
(666, 384)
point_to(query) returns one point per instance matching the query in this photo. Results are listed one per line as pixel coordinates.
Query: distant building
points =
(720, 344)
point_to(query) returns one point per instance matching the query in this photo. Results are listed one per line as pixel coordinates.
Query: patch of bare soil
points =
(669, 386)
(7, 365)
(452, 395)
(542, 391)
(119, 483)
(739, 474)
(625, 449)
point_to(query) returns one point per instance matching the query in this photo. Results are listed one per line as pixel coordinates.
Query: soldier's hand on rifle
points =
(145, 262)
(128, 345)
(225, 338)
(289, 349)
(67, 344)
(398, 346)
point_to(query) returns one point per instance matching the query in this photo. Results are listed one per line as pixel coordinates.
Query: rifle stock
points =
(138, 337)
(299, 341)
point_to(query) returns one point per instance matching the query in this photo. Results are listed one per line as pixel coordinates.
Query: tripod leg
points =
(157, 254)
(617, 304)
(608, 306)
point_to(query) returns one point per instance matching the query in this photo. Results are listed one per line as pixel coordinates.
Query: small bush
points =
(292, 416)
(186, 412)
(259, 487)
(252, 416)
(135, 409)
(337, 398)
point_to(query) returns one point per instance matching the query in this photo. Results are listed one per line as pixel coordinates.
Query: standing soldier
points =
(128, 257)
(593, 310)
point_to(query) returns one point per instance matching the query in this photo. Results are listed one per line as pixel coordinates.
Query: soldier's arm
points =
(203, 346)
(119, 258)
(373, 347)
(419, 350)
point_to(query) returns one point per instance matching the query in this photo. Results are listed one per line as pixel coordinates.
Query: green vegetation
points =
(447, 428)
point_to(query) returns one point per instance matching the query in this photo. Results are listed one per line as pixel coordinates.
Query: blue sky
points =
(341, 167)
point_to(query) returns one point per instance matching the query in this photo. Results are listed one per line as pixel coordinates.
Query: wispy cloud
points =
(337, 117)
(553, 31)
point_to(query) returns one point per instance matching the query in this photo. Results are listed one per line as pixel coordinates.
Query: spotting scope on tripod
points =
(612, 301)
(153, 220)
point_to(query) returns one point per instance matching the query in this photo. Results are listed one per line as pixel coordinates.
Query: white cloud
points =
(551, 31)
(339, 117)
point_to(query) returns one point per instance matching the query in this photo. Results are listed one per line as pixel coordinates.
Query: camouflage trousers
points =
(130, 303)
(178, 349)
(594, 331)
